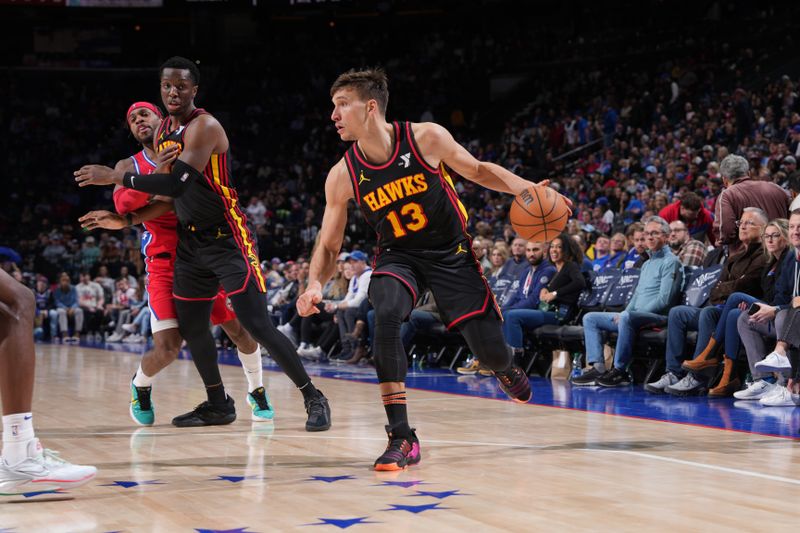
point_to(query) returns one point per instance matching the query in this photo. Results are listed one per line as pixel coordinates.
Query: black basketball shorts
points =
(205, 261)
(454, 277)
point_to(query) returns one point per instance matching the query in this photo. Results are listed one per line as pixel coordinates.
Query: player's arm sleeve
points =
(173, 184)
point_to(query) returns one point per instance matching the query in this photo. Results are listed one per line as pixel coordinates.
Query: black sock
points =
(309, 391)
(216, 394)
(396, 412)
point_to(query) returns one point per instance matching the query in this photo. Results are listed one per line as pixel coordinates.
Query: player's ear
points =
(372, 106)
(194, 91)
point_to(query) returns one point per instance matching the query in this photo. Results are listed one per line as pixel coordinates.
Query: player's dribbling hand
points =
(546, 183)
(307, 302)
(94, 175)
(102, 219)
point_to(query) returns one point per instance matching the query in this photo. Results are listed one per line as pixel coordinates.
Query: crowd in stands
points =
(679, 165)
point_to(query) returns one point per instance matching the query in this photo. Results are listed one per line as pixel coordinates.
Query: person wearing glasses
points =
(659, 283)
(779, 323)
(690, 252)
(742, 191)
(741, 273)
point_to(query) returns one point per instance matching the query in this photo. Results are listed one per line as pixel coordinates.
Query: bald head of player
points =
(359, 102)
(180, 78)
(143, 120)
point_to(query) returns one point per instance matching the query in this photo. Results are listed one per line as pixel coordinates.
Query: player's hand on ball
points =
(94, 175)
(307, 302)
(102, 219)
(546, 183)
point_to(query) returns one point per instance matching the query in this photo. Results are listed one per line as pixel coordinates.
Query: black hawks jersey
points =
(205, 203)
(411, 205)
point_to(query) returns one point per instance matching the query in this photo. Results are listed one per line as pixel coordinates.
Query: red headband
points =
(138, 105)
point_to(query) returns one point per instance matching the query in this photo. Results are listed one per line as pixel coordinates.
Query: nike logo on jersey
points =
(362, 178)
(406, 160)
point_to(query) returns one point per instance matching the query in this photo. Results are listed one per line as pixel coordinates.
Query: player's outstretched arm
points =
(101, 219)
(323, 261)
(203, 137)
(438, 145)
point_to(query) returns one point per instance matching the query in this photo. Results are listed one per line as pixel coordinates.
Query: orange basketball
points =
(539, 214)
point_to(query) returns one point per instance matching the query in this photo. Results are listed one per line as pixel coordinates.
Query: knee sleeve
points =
(484, 336)
(392, 304)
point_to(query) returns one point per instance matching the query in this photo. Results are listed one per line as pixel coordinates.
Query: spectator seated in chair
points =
(741, 273)
(660, 281)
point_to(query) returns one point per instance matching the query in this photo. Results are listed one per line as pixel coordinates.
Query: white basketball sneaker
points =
(43, 470)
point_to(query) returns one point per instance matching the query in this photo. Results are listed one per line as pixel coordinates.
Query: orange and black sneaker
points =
(515, 384)
(400, 452)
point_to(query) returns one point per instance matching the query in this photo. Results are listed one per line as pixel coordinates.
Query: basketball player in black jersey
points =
(396, 174)
(214, 245)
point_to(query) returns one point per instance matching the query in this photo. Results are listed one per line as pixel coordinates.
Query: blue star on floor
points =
(416, 509)
(40, 492)
(329, 479)
(129, 484)
(239, 530)
(6, 530)
(439, 495)
(342, 523)
(236, 479)
(404, 484)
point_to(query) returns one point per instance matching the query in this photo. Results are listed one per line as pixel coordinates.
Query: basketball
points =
(539, 214)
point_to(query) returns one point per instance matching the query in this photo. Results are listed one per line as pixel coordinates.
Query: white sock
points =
(17, 433)
(141, 379)
(600, 367)
(251, 363)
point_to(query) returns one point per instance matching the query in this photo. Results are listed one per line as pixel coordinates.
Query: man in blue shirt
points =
(660, 281)
(65, 298)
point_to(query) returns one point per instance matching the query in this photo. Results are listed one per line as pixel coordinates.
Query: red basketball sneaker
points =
(515, 384)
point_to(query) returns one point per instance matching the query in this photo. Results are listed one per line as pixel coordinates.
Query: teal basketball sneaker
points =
(259, 403)
(141, 410)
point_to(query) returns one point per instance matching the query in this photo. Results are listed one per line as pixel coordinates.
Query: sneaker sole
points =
(614, 385)
(587, 384)
(766, 368)
(318, 428)
(654, 390)
(395, 467)
(695, 392)
(133, 417)
(47, 485)
(223, 422)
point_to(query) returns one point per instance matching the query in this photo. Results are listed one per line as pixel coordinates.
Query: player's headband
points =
(138, 105)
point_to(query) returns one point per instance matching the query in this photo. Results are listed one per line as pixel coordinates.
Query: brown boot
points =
(359, 354)
(358, 329)
(705, 359)
(726, 387)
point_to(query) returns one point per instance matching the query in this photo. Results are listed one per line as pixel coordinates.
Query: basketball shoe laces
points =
(143, 396)
(398, 448)
(261, 399)
(510, 379)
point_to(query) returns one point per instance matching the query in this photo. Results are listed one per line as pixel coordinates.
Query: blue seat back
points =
(699, 285)
(621, 293)
(601, 284)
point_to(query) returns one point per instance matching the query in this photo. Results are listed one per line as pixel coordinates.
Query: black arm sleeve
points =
(173, 184)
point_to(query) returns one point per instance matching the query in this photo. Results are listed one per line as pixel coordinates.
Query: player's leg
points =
(24, 464)
(392, 303)
(250, 357)
(484, 336)
(250, 306)
(166, 346)
(166, 338)
(193, 318)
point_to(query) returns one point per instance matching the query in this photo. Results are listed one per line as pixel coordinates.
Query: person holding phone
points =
(779, 321)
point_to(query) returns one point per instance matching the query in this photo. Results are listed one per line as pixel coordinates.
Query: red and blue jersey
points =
(161, 235)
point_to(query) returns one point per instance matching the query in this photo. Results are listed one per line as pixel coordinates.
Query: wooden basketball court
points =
(487, 465)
